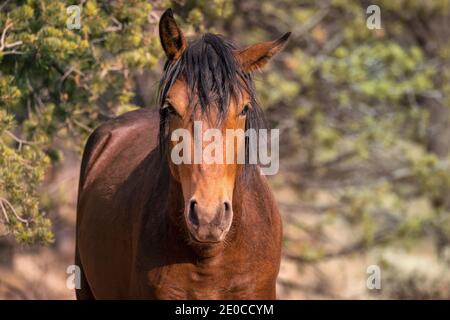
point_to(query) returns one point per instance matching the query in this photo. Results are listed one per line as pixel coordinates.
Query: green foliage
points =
(360, 110)
(52, 82)
(21, 171)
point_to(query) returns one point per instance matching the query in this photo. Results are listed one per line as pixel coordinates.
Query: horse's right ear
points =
(172, 39)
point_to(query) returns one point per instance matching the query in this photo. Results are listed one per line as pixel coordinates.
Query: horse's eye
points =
(244, 110)
(169, 109)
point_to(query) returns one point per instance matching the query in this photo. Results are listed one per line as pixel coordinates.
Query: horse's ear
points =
(172, 39)
(256, 56)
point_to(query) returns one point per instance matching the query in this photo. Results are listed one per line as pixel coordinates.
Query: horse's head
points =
(206, 90)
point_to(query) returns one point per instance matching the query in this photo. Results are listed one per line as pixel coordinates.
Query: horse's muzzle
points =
(206, 224)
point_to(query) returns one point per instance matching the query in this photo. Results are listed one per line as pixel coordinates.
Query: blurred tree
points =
(364, 113)
(58, 83)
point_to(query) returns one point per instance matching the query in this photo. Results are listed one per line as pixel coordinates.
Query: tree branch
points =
(4, 202)
(4, 45)
(18, 140)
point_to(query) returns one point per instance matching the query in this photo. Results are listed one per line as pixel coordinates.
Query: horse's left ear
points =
(172, 38)
(256, 56)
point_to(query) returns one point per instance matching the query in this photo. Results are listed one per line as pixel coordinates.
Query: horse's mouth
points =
(206, 234)
(194, 239)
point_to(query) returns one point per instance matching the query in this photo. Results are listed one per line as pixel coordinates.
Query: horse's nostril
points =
(193, 217)
(227, 206)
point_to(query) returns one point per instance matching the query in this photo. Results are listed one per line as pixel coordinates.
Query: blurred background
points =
(363, 113)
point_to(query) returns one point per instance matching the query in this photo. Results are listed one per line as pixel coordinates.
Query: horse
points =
(149, 228)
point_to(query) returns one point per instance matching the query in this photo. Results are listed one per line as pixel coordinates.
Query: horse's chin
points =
(206, 248)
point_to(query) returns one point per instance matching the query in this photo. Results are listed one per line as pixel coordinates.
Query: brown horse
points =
(148, 228)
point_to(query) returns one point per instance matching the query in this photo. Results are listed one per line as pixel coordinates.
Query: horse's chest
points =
(186, 281)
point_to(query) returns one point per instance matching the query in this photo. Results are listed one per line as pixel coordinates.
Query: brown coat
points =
(132, 241)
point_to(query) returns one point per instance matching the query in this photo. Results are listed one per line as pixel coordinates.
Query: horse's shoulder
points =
(136, 130)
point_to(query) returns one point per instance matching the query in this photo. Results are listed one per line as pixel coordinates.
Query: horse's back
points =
(110, 175)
